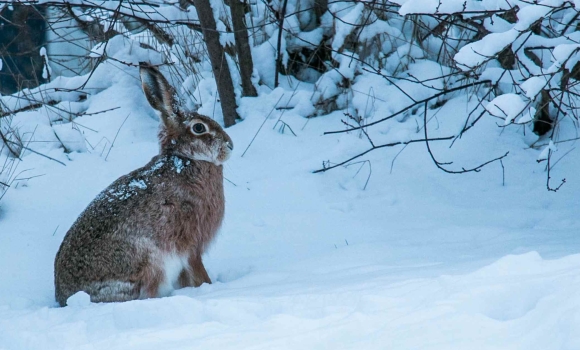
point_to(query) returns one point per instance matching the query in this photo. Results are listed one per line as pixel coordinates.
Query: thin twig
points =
(279, 44)
(440, 164)
(260, 128)
(117, 134)
(327, 168)
(35, 152)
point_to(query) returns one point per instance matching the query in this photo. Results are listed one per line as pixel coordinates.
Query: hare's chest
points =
(172, 265)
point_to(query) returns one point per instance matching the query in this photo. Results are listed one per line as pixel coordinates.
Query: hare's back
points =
(121, 209)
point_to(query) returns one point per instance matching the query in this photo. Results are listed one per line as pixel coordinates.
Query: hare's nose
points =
(230, 145)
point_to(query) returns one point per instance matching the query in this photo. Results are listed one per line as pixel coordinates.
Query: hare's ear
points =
(160, 94)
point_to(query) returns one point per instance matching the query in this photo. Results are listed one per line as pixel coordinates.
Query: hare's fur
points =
(145, 234)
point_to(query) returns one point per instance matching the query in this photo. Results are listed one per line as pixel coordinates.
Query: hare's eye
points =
(198, 128)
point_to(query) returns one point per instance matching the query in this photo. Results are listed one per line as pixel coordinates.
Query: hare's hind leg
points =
(143, 284)
(185, 279)
(200, 275)
(112, 291)
(195, 275)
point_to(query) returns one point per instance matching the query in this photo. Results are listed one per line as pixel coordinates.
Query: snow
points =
(389, 252)
(507, 106)
(530, 14)
(437, 6)
(79, 299)
(46, 69)
(419, 259)
(565, 53)
(265, 61)
(309, 39)
(496, 24)
(504, 34)
(70, 137)
(533, 86)
(148, 11)
(527, 116)
(178, 164)
(140, 184)
(551, 147)
(348, 19)
(474, 54)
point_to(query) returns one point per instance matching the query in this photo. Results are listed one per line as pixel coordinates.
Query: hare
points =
(145, 234)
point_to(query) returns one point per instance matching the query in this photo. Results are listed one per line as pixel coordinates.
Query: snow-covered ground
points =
(418, 259)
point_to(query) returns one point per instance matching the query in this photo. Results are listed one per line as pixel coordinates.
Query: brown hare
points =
(145, 234)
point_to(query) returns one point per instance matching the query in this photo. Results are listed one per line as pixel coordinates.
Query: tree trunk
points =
(218, 61)
(243, 48)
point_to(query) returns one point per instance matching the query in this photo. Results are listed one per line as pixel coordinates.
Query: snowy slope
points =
(419, 259)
